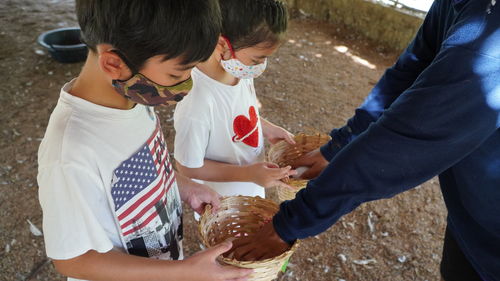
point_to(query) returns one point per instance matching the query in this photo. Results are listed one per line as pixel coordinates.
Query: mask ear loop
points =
(233, 54)
(132, 68)
(136, 72)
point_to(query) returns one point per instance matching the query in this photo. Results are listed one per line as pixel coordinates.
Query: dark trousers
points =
(454, 265)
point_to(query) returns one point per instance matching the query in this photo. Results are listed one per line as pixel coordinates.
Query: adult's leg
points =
(454, 265)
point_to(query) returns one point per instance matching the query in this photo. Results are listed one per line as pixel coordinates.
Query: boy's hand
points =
(202, 195)
(314, 160)
(269, 174)
(275, 133)
(203, 266)
(197, 195)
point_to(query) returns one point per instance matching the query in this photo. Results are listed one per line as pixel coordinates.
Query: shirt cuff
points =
(191, 164)
(329, 150)
(282, 229)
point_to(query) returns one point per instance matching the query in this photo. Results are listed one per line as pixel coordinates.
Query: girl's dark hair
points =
(141, 29)
(246, 23)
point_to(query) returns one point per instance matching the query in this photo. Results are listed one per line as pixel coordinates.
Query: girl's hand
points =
(269, 174)
(203, 266)
(275, 133)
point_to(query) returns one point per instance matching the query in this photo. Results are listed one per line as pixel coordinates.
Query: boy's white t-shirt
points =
(220, 122)
(106, 182)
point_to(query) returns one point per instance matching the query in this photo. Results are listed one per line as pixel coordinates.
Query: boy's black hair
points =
(141, 29)
(246, 23)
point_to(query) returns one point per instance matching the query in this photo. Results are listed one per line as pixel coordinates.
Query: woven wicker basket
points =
(242, 216)
(283, 154)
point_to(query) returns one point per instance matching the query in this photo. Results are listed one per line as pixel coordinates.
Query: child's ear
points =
(223, 48)
(112, 64)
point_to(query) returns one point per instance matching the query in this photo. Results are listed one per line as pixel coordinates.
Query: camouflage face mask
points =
(141, 90)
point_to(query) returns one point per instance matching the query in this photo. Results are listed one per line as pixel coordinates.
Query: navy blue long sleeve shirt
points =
(435, 112)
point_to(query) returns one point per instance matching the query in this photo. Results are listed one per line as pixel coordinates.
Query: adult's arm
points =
(453, 106)
(401, 76)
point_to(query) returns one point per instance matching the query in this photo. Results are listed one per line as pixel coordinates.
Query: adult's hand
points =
(263, 245)
(314, 160)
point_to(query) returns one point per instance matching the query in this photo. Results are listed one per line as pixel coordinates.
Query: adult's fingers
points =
(307, 160)
(237, 243)
(310, 173)
(313, 171)
(254, 253)
(243, 251)
(249, 253)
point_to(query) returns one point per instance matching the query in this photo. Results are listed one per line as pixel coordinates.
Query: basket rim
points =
(233, 261)
(281, 143)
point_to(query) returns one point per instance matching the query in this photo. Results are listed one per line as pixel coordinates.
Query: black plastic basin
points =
(64, 44)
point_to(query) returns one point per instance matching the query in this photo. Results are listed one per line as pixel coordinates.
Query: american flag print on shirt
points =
(147, 202)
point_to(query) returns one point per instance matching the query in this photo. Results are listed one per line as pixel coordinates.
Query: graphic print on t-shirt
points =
(147, 202)
(246, 129)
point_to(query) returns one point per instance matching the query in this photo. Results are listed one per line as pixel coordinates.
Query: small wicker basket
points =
(283, 154)
(242, 216)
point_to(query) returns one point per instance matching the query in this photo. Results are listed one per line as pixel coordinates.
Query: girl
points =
(219, 133)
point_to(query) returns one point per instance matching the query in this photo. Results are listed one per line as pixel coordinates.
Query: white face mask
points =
(240, 70)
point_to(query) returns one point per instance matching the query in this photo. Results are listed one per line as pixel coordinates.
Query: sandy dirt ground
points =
(313, 84)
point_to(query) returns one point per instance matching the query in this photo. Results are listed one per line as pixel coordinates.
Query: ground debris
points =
(364, 262)
(34, 230)
(342, 257)
(371, 225)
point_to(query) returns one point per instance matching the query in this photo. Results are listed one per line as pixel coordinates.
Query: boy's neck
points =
(92, 85)
(213, 69)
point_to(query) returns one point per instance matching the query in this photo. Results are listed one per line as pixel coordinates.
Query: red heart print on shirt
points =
(247, 130)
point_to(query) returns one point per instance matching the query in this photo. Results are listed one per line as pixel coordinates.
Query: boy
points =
(107, 188)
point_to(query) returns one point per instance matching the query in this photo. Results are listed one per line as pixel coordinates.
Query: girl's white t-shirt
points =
(106, 182)
(220, 122)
